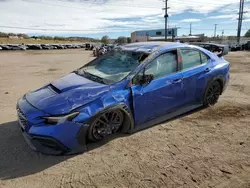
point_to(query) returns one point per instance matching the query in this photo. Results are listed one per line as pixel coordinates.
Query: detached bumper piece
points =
(45, 145)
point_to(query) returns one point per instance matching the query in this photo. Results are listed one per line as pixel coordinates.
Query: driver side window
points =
(163, 65)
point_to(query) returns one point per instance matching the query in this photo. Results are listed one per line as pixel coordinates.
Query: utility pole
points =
(215, 28)
(222, 33)
(166, 19)
(241, 12)
(190, 33)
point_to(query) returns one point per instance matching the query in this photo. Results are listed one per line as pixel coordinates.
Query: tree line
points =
(25, 36)
(105, 39)
(5, 35)
(120, 40)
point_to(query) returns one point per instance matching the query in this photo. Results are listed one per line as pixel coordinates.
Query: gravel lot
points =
(209, 148)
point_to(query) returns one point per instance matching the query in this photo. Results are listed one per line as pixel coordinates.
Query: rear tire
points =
(212, 94)
(105, 124)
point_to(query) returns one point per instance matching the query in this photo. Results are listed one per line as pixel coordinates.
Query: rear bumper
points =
(226, 82)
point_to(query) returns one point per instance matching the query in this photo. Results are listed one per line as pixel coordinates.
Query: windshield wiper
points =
(91, 76)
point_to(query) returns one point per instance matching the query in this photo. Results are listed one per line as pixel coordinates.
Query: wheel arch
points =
(219, 79)
(221, 82)
(128, 123)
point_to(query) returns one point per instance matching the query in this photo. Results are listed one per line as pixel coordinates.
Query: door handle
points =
(176, 81)
(207, 70)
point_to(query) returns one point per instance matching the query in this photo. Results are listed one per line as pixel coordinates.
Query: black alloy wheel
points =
(212, 94)
(105, 124)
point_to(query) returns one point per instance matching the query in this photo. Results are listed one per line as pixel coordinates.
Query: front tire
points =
(105, 124)
(212, 94)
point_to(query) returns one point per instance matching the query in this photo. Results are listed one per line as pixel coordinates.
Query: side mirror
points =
(146, 79)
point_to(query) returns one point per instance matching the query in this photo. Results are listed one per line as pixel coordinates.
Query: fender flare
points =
(127, 127)
(128, 124)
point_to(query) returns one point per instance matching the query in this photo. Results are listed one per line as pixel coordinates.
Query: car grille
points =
(21, 117)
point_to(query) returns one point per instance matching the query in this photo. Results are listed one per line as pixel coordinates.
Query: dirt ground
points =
(207, 149)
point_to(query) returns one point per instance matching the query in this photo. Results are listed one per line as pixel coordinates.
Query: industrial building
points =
(159, 35)
(146, 35)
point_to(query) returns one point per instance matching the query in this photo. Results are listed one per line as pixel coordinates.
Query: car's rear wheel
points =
(212, 94)
(105, 124)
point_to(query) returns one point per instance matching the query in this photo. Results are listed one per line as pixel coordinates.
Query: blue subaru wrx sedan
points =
(130, 88)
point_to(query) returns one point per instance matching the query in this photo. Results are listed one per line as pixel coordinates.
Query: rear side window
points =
(204, 58)
(190, 58)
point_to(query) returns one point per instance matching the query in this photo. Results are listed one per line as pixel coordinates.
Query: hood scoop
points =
(54, 89)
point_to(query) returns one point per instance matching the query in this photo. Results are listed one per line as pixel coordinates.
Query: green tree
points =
(128, 40)
(3, 34)
(121, 40)
(247, 33)
(105, 39)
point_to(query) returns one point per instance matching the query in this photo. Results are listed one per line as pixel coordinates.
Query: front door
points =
(163, 93)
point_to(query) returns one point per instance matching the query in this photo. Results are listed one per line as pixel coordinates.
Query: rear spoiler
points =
(219, 49)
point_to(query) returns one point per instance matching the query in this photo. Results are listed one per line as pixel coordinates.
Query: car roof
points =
(148, 47)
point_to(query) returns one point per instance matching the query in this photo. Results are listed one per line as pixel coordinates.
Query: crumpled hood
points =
(66, 94)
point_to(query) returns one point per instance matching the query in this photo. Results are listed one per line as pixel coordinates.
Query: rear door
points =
(196, 67)
(163, 94)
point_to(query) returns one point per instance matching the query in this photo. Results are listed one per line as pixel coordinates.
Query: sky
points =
(96, 18)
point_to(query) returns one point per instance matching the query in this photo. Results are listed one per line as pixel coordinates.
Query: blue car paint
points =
(76, 93)
(161, 95)
(195, 80)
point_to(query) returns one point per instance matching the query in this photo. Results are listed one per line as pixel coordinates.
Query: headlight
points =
(60, 119)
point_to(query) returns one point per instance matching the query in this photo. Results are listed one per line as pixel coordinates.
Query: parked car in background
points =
(128, 89)
(89, 46)
(34, 47)
(47, 47)
(17, 47)
(5, 47)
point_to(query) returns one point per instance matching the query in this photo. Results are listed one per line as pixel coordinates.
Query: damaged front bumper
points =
(65, 138)
(52, 146)
(45, 145)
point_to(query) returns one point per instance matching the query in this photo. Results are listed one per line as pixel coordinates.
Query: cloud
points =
(96, 16)
(191, 20)
(223, 16)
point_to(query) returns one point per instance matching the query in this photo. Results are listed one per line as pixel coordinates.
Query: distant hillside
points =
(18, 37)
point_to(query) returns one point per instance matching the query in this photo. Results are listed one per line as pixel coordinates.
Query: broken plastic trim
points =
(54, 120)
(218, 49)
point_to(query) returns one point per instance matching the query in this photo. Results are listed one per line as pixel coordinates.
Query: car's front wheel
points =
(212, 94)
(105, 124)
